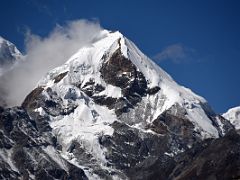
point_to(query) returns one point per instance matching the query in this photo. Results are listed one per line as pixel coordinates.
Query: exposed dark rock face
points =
(121, 72)
(129, 146)
(153, 168)
(59, 77)
(153, 90)
(180, 129)
(31, 101)
(52, 105)
(210, 159)
(216, 159)
(27, 154)
(90, 88)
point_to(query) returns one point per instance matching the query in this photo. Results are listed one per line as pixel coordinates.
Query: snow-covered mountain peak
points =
(9, 49)
(90, 59)
(87, 65)
(9, 55)
(233, 115)
(109, 96)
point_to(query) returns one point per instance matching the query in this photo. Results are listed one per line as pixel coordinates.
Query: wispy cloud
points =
(44, 54)
(176, 53)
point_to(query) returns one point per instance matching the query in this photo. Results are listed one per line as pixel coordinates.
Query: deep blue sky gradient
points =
(210, 27)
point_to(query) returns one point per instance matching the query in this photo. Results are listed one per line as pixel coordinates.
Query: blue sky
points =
(196, 42)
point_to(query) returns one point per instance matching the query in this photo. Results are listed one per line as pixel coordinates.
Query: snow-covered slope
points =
(9, 54)
(233, 115)
(111, 108)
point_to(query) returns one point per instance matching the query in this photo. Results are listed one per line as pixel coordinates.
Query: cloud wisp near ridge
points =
(176, 53)
(44, 54)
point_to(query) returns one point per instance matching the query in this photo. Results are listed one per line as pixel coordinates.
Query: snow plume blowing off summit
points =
(42, 55)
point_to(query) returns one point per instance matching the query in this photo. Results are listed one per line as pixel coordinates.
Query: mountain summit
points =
(9, 54)
(115, 74)
(110, 112)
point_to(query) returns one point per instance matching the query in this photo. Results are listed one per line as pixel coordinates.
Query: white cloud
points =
(177, 53)
(44, 54)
